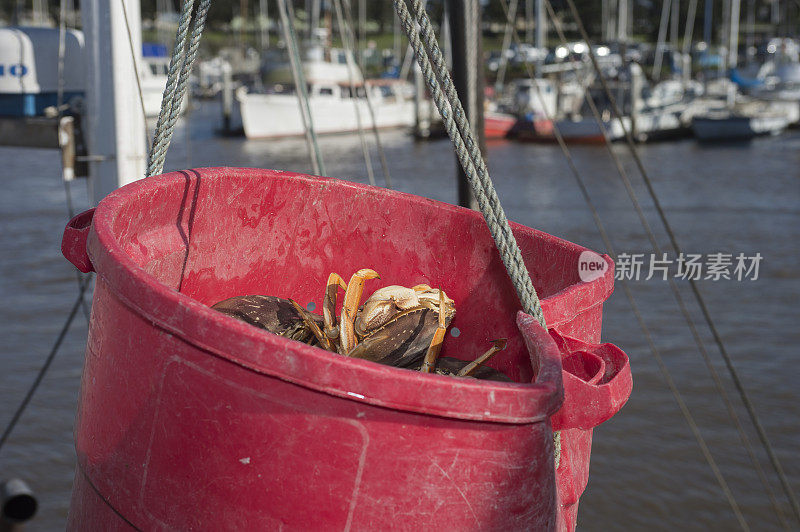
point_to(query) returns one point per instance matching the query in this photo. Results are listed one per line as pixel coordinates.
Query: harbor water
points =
(647, 471)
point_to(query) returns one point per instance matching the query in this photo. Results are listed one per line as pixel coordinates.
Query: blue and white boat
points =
(29, 70)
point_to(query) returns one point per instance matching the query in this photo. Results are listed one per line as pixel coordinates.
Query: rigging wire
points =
(43, 370)
(719, 386)
(607, 241)
(511, 16)
(734, 374)
(354, 91)
(684, 310)
(62, 51)
(378, 143)
(681, 304)
(287, 15)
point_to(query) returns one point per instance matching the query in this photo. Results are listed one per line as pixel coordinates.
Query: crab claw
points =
(429, 363)
(352, 297)
(467, 370)
(329, 304)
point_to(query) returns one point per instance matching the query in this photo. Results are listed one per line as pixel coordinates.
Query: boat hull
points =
(278, 115)
(736, 127)
(498, 125)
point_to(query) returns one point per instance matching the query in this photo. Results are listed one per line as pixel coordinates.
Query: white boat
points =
(29, 72)
(781, 84)
(336, 104)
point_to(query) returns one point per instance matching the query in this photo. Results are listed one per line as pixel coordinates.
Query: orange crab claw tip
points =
(367, 273)
(336, 279)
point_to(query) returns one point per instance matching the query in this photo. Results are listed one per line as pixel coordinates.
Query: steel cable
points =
(699, 342)
(607, 241)
(43, 370)
(348, 50)
(287, 16)
(378, 143)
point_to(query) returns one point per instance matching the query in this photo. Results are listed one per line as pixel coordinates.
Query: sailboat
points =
(780, 76)
(741, 118)
(744, 120)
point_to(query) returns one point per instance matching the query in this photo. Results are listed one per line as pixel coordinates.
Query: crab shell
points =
(396, 324)
(274, 314)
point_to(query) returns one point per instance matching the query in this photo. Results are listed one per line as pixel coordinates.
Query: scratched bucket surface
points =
(190, 419)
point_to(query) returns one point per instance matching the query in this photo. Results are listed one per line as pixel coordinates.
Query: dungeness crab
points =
(396, 325)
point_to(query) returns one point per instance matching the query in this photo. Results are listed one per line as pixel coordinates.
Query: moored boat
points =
(498, 125)
(742, 122)
(29, 72)
(337, 98)
(335, 108)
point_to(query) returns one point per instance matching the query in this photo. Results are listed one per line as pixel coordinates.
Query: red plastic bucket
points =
(190, 419)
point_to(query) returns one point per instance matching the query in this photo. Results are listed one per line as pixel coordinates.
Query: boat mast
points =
(707, 20)
(662, 34)
(115, 126)
(313, 17)
(362, 30)
(263, 23)
(622, 23)
(610, 26)
(751, 25)
(529, 19)
(541, 31)
(674, 25)
(733, 51)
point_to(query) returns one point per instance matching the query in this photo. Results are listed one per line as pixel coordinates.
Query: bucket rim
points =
(288, 360)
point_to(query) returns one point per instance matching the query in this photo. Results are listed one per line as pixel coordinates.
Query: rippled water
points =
(647, 470)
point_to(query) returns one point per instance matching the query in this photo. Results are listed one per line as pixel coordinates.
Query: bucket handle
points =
(545, 359)
(597, 382)
(73, 243)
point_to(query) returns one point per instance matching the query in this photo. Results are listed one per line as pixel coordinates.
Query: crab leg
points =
(429, 363)
(324, 341)
(329, 304)
(352, 297)
(467, 370)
